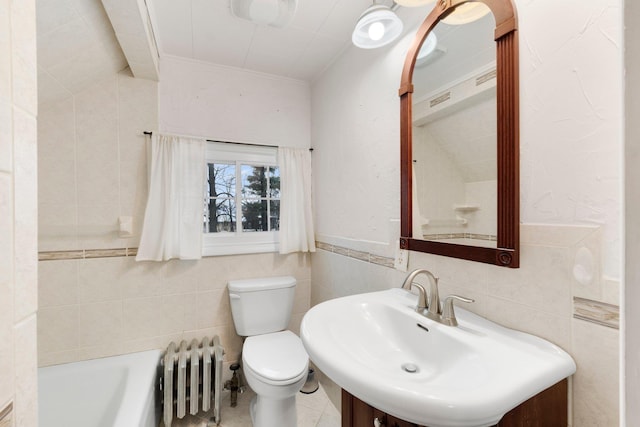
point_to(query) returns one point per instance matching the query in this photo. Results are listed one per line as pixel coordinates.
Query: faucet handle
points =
(448, 313)
(422, 297)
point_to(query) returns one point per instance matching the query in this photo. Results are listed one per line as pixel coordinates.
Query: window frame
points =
(239, 242)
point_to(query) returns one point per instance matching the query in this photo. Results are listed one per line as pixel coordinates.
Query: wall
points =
(632, 213)
(230, 104)
(92, 163)
(95, 299)
(571, 133)
(18, 212)
(106, 306)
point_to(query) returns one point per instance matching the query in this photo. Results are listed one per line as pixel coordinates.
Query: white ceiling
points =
(77, 45)
(206, 30)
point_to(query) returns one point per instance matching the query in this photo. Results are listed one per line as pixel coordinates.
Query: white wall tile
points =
(25, 213)
(6, 136)
(541, 281)
(215, 272)
(180, 277)
(596, 382)
(151, 343)
(98, 280)
(137, 306)
(56, 358)
(57, 226)
(100, 324)
(57, 283)
(57, 329)
(26, 373)
(57, 154)
(98, 223)
(6, 230)
(18, 210)
(213, 309)
(5, 51)
(6, 337)
(154, 316)
(140, 279)
(93, 162)
(23, 45)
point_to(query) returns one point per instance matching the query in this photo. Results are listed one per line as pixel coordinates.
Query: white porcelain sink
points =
(469, 375)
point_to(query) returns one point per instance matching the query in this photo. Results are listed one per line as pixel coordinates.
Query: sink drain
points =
(410, 367)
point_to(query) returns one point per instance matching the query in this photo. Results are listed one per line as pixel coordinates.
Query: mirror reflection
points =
(454, 134)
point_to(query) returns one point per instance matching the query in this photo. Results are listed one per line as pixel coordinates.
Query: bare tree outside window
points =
(220, 205)
(259, 198)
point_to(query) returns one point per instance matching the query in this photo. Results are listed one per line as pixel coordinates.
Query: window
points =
(242, 199)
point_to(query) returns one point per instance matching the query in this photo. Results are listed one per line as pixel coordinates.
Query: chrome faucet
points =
(433, 303)
(431, 307)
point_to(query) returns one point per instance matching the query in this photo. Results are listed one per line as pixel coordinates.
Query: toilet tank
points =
(261, 306)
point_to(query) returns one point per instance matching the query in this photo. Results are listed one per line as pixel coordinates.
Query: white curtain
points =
(173, 218)
(296, 219)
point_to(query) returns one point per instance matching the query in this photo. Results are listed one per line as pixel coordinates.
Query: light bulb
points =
(376, 31)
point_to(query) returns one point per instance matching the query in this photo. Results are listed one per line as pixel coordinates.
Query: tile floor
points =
(314, 410)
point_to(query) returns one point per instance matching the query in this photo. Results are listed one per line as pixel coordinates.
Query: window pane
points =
(274, 182)
(222, 180)
(220, 215)
(254, 215)
(254, 181)
(224, 219)
(274, 219)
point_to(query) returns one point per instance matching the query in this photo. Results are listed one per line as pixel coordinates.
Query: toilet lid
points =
(279, 356)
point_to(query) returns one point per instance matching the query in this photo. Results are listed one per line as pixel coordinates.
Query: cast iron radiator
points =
(191, 375)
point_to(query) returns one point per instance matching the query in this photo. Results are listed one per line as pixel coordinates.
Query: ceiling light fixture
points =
(276, 13)
(376, 27)
(466, 13)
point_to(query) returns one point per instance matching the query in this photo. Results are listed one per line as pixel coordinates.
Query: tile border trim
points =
(86, 254)
(359, 255)
(600, 313)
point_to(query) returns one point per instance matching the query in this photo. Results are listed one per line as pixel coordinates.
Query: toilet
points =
(274, 360)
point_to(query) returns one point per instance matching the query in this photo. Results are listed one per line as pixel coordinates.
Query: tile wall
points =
(95, 299)
(92, 163)
(99, 307)
(537, 298)
(18, 213)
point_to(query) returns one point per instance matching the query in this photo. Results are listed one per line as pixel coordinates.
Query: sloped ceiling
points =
(77, 45)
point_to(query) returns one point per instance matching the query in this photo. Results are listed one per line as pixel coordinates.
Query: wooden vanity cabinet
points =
(546, 409)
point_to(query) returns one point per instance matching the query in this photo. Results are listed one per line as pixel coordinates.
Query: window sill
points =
(222, 246)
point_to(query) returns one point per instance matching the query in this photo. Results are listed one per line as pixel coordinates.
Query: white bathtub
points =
(111, 392)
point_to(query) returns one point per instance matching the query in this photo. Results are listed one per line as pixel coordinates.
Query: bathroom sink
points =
(380, 350)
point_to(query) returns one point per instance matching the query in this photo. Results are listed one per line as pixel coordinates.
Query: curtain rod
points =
(146, 132)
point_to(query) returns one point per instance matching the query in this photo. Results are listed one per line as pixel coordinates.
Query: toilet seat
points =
(278, 358)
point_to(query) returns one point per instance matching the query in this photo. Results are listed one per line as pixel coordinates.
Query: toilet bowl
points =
(275, 367)
(274, 360)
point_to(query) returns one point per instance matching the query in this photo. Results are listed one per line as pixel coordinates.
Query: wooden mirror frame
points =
(507, 253)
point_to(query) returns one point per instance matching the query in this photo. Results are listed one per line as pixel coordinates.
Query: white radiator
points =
(191, 375)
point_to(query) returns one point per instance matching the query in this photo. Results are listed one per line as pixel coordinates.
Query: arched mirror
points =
(460, 135)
